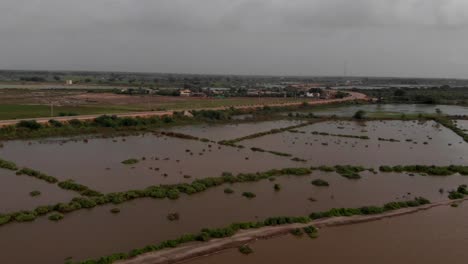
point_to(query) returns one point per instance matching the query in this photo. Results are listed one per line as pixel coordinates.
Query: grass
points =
(23, 111)
(8, 111)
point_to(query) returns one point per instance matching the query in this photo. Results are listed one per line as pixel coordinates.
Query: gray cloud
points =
(307, 37)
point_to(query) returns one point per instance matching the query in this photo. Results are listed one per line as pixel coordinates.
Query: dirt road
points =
(354, 96)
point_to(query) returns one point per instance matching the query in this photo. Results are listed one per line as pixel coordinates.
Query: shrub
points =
(173, 216)
(56, 217)
(55, 123)
(25, 217)
(37, 174)
(173, 194)
(311, 231)
(228, 190)
(245, 249)
(4, 219)
(35, 193)
(115, 210)
(249, 195)
(130, 161)
(296, 232)
(277, 187)
(29, 124)
(83, 190)
(320, 183)
(8, 165)
(360, 114)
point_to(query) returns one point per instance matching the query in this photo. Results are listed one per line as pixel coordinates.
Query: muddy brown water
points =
(231, 131)
(463, 124)
(15, 191)
(443, 147)
(349, 110)
(97, 164)
(96, 232)
(435, 236)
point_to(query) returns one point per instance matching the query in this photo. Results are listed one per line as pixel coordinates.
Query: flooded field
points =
(15, 192)
(162, 160)
(144, 222)
(97, 163)
(436, 236)
(230, 131)
(463, 124)
(348, 111)
(416, 143)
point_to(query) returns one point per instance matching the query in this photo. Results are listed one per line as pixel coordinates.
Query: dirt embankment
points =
(354, 96)
(198, 249)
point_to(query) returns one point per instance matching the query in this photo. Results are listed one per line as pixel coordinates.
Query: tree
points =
(359, 114)
(399, 92)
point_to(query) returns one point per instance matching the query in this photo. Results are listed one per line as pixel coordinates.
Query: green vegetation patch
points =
(37, 174)
(430, 170)
(56, 217)
(245, 249)
(459, 193)
(320, 183)
(130, 161)
(35, 193)
(83, 190)
(8, 165)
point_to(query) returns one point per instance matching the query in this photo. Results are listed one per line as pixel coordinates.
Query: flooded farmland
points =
(415, 143)
(435, 236)
(97, 163)
(349, 110)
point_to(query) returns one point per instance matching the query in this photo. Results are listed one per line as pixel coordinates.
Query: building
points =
(185, 92)
(68, 82)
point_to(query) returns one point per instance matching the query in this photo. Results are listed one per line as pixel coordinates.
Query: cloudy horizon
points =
(398, 38)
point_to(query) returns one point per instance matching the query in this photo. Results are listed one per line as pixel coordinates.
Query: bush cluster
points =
(320, 182)
(459, 193)
(37, 174)
(8, 165)
(339, 135)
(83, 190)
(430, 170)
(369, 210)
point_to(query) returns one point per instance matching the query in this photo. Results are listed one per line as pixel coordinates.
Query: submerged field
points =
(232, 173)
(436, 236)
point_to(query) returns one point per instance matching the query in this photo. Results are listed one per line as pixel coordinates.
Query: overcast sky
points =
(425, 38)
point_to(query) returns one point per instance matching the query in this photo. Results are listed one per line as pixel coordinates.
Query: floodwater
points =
(463, 124)
(431, 237)
(232, 131)
(163, 160)
(97, 232)
(15, 191)
(349, 110)
(97, 164)
(420, 143)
